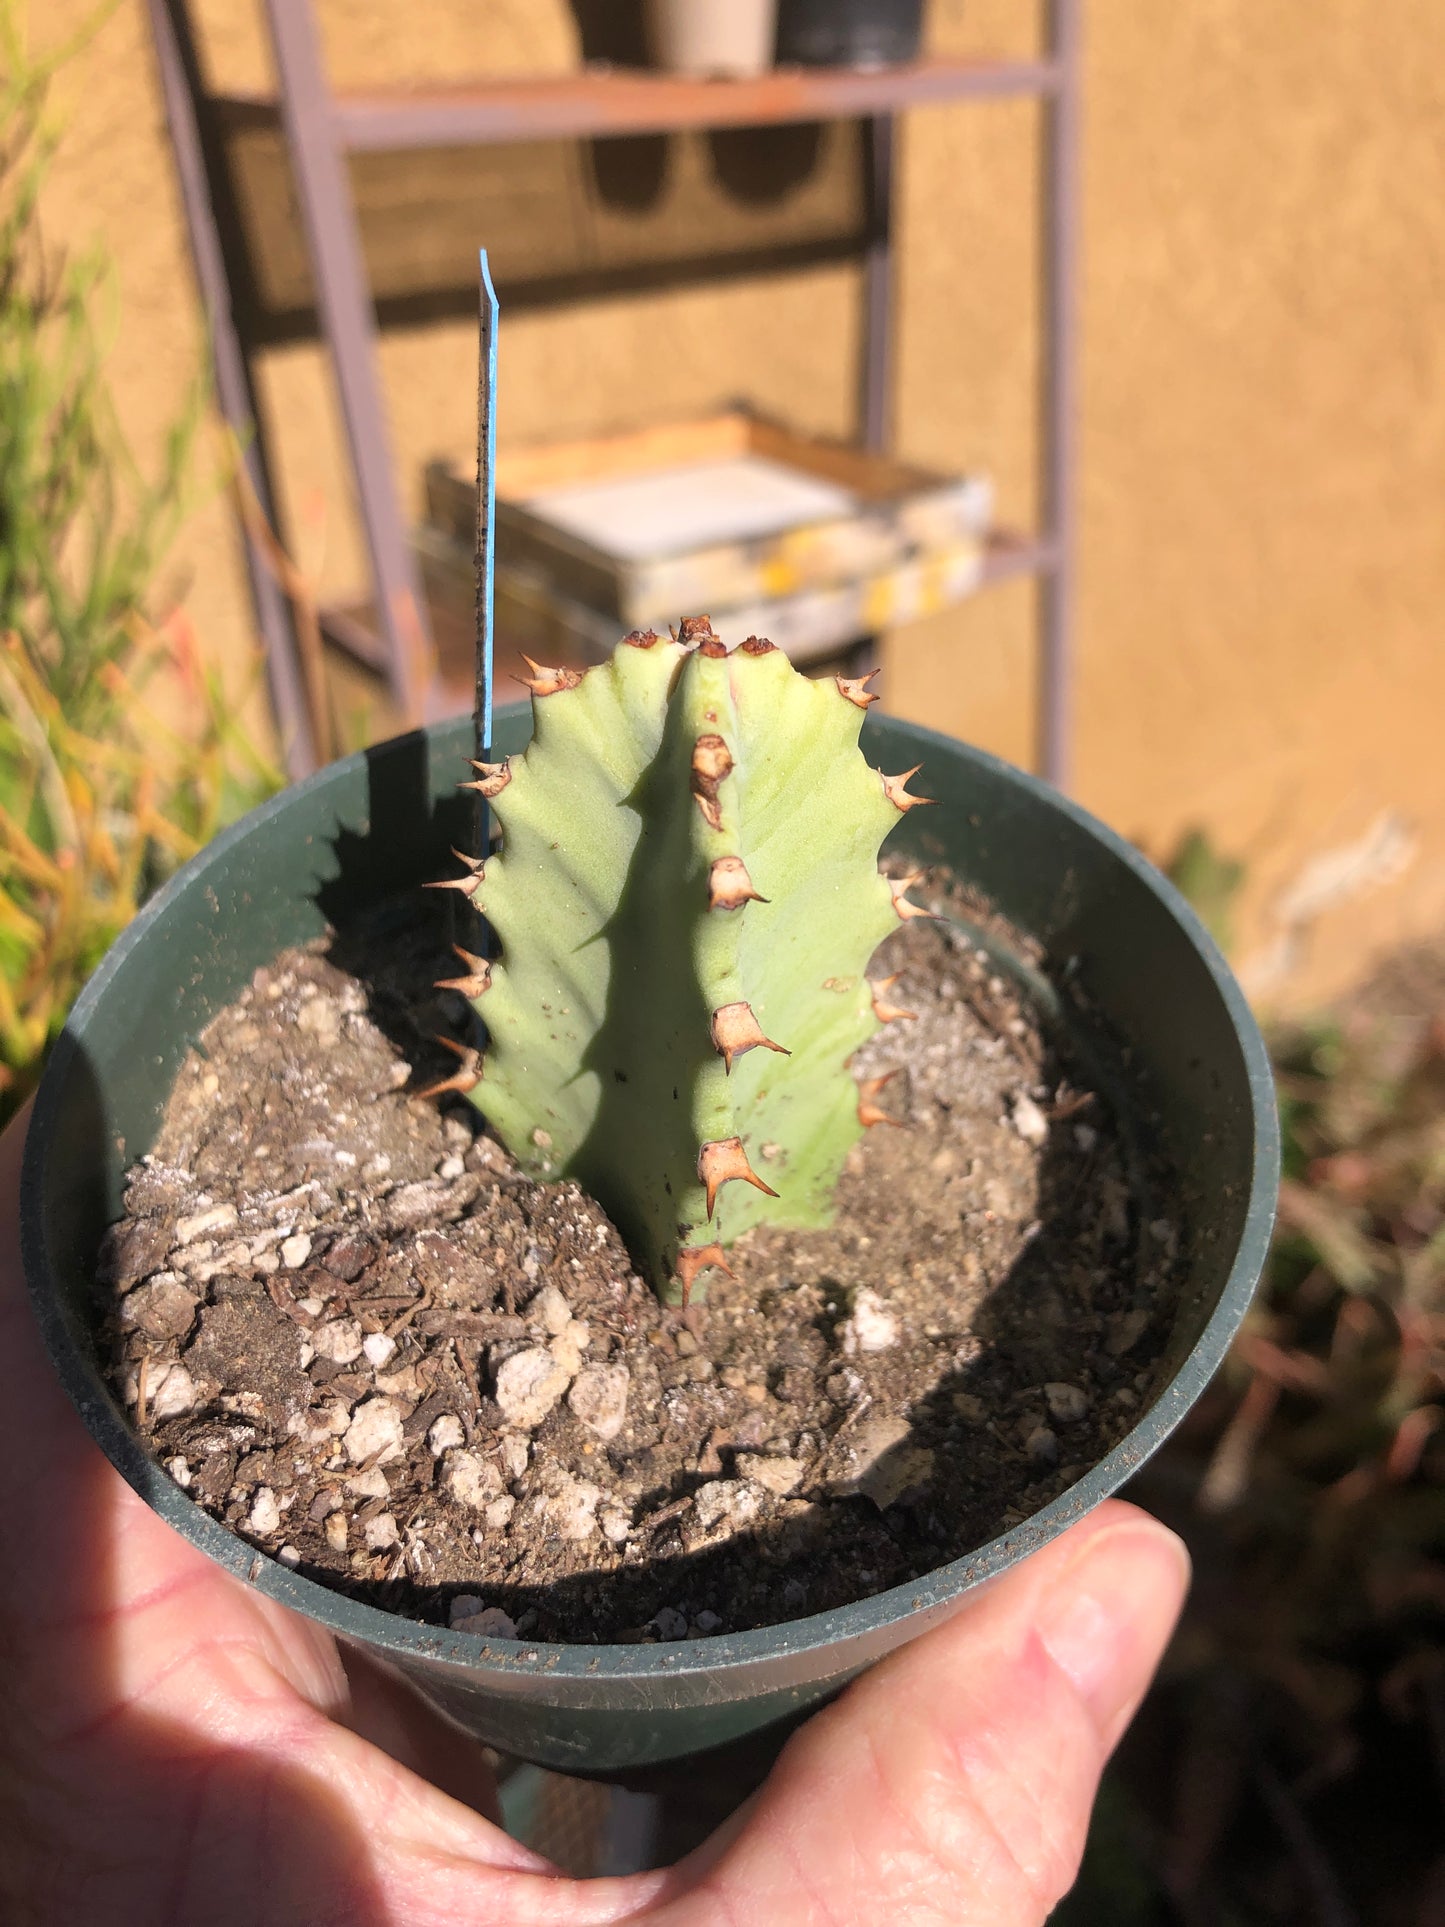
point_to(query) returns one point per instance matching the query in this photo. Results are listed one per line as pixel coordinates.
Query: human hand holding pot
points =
(175, 1747)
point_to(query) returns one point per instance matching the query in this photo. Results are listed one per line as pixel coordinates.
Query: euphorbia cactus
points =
(686, 900)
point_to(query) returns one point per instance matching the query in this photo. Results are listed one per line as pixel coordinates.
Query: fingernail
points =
(1106, 1618)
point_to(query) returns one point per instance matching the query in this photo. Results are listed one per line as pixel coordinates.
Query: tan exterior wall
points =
(1262, 529)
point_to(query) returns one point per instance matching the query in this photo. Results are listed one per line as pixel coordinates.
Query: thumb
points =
(954, 1782)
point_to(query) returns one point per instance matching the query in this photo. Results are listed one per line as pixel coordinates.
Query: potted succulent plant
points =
(679, 1028)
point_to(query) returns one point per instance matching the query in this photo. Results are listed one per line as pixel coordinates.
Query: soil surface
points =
(350, 1328)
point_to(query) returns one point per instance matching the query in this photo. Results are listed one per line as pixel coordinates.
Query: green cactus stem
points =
(686, 901)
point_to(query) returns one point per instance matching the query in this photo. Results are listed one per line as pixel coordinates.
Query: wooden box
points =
(535, 616)
(730, 514)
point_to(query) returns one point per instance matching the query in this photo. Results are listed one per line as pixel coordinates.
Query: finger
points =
(386, 1711)
(955, 1781)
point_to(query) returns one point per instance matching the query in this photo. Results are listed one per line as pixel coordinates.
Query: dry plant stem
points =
(1229, 1470)
(1322, 1477)
(1328, 1905)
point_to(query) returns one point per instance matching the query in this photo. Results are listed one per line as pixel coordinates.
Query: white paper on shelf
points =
(740, 499)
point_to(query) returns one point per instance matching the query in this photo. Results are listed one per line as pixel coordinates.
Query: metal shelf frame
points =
(322, 128)
(610, 101)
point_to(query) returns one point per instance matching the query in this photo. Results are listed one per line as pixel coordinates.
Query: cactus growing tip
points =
(549, 682)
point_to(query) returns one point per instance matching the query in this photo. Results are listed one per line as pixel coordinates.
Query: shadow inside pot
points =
(392, 934)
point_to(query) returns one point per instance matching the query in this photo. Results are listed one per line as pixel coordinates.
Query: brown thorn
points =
(468, 885)
(712, 761)
(641, 638)
(722, 1160)
(478, 979)
(907, 911)
(698, 630)
(885, 1012)
(465, 1078)
(869, 1113)
(494, 778)
(729, 886)
(548, 682)
(735, 1029)
(693, 1259)
(856, 688)
(898, 796)
(757, 646)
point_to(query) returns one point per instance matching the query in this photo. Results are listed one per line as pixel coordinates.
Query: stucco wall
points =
(1263, 543)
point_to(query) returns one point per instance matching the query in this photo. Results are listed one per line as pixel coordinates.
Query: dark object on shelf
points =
(849, 33)
(1137, 985)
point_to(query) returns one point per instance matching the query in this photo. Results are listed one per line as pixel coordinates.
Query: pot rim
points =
(724, 1653)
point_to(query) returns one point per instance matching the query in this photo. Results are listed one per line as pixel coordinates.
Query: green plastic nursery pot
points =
(1128, 973)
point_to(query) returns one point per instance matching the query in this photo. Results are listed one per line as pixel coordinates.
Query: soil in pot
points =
(351, 1329)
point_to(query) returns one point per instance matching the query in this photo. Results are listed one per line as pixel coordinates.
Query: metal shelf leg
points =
(180, 89)
(1060, 397)
(343, 301)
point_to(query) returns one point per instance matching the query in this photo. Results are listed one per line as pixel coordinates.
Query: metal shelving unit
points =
(322, 129)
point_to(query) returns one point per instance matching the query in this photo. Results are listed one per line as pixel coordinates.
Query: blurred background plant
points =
(90, 823)
(82, 528)
(1210, 878)
(1291, 1766)
(120, 751)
